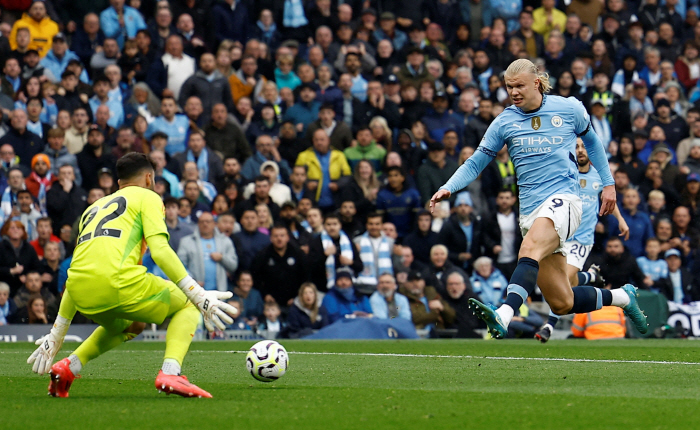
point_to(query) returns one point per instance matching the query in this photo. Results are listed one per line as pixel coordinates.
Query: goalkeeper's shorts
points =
(150, 301)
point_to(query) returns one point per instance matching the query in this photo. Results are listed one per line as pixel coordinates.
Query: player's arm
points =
(622, 224)
(596, 153)
(472, 168)
(211, 304)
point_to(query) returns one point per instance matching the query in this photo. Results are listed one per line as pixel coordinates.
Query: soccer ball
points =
(267, 361)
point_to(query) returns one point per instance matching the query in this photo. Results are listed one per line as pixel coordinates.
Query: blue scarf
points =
(345, 251)
(371, 272)
(294, 16)
(267, 33)
(202, 163)
(347, 293)
(4, 311)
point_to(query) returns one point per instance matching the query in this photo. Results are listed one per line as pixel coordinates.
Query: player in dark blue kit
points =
(540, 132)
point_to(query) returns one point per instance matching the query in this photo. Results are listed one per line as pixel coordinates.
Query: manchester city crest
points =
(536, 123)
(557, 121)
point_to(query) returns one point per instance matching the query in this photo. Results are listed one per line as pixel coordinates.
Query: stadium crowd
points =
(297, 143)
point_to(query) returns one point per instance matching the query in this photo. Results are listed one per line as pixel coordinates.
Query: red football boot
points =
(178, 384)
(61, 379)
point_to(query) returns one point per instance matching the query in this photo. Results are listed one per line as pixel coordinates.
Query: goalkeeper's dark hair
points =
(133, 164)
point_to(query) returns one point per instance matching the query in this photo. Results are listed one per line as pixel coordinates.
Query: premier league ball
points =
(267, 361)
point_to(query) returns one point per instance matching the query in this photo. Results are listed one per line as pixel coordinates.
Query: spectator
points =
(305, 314)
(108, 56)
(260, 195)
(50, 265)
(252, 299)
(280, 268)
(366, 149)
(462, 233)
(94, 156)
(306, 111)
(271, 323)
(26, 213)
(284, 75)
(208, 84)
(434, 172)
(375, 254)
(17, 256)
(249, 241)
(170, 71)
(121, 22)
(387, 303)
(428, 309)
(88, 38)
(205, 192)
(7, 306)
(399, 202)
(177, 230)
(618, 266)
(209, 164)
(376, 105)
(265, 150)
(638, 222)
(351, 225)
(176, 127)
(488, 282)
(458, 295)
(679, 286)
(476, 128)
(341, 301)
(58, 154)
(267, 124)
(685, 237)
(247, 82)
(673, 126)
(15, 184)
(33, 286)
(208, 255)
(44, 229)
(325, 166)
(226, 137)
(331, 250)
(65, 201)
(279, 193)
(25, 143)
(440, 267)
(339, 132)
(605, 323)
(502, 236)
(77, 135)
(231, 21)
(40, 180)
(651, 265)
(422, 238)
(11, 79)
(41, 28)
(101, 87)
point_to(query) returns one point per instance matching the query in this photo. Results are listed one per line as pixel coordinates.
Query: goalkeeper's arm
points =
(210, 303)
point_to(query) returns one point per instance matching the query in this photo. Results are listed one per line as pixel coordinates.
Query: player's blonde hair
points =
(524, 65)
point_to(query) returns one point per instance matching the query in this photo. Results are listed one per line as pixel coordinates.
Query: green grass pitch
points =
(374, 385)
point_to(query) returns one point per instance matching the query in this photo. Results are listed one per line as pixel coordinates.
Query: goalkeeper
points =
(108, 285)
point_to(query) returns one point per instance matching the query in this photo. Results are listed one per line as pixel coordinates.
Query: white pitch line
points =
(473, 357)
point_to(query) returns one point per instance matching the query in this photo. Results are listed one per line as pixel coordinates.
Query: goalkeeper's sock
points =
(171, 367)
(75, 365)
(183, 325)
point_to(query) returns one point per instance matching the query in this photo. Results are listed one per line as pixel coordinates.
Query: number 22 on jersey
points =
(102, 215)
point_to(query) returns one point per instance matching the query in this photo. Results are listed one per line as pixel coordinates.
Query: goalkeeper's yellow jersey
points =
(113, 231)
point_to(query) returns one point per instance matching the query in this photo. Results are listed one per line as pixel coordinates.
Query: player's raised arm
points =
(596, 153)
(472, 168)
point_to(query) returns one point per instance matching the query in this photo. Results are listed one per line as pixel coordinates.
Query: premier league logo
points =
(536, 123)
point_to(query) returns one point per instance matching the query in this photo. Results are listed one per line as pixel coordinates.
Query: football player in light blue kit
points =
(578, 247)
(540, 133)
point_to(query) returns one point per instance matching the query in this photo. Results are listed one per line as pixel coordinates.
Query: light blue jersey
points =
(655, 269)
(177, 132)
(542, 146)
(591, 186)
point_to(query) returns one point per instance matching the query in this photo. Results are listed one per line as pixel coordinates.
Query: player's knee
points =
(562, 305)
(135, 329)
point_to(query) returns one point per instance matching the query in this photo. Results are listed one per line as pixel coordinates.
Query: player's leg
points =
(540, 241)
(547, 329)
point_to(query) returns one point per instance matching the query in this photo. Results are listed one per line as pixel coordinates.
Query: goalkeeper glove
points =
(211, 304)
(49, 346)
